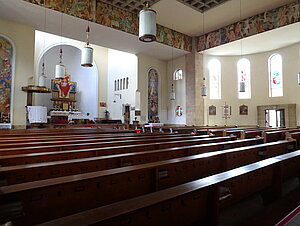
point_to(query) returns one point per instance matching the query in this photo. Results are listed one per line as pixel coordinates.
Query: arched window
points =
(118, 85)
(6, 72)
(178, 74)
(244, 75)
(124, 87)
(214, 70)
(115, 85)
(121, 84)
(127, 82)
(275, 76)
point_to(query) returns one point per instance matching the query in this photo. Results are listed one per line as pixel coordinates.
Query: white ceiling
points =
(170, 13)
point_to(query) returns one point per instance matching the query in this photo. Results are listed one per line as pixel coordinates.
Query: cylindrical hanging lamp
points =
(147, 24)
(203, 89)
(299, 78)
(172, 93)
(242, 86)
(42, 78)
(87, 52)
(60, 68)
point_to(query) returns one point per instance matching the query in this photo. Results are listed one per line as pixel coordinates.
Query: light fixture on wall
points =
(147, 24)
(87, 52)
(172, 93)
(42, 77)
(60, 69)
(242, 85)
(299, 78)
(204, 89)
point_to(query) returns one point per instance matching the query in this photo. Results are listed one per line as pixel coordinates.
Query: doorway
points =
(274, 118)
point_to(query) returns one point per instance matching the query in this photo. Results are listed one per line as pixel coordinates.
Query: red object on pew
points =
(291, 218)
(137, 130)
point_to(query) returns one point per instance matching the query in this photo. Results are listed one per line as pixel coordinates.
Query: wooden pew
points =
(111, 141)
(40, 171)
(271, 136)
(251, 134)
(88, 136)
(7, 150)
(40, 199)
(39, 153)
(199, 201)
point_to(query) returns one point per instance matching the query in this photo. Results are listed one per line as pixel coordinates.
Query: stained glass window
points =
(275, 76)
(178, 74)
(214, 68)
(243, 71)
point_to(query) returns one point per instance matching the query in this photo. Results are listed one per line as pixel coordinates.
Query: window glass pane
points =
(178, 74)
(214, 68)
(275, 75)
(244, 75)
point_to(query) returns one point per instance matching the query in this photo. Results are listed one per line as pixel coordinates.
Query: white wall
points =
(144, 64)
(121, 65)
(22, 37)
(179, 88)
(259, 86)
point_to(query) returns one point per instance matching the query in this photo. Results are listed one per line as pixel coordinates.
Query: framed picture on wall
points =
(243, 110)
(212, 110)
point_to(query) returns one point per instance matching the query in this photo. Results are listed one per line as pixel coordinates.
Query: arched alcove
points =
(86, 78)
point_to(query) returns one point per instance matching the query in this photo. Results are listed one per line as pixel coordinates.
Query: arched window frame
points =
(115, 85)
(127, 83)
(244, 74)
(176, 75)
(275, 75)
(214, 74)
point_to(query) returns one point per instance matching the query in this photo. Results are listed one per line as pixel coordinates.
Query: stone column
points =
(194, 79)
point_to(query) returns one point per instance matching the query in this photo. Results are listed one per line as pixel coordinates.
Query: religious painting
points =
(212, 110)
(152, 93)
(6, 60)
(266, 21)
(137, 113)
(79, 8)
(63, 86)
(243, 110)
(179, 111)
(103, 104)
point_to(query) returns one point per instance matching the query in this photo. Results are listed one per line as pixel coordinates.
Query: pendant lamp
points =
(60, 68)
(147, 24)
(87, 52)
(42, 78)
(172, 93)
(242, 84)
(299, 78)
(203, 89)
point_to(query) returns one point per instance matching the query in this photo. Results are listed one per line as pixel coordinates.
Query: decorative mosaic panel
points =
(152, 94)
(266, 21)
(6, 58)
(114, 17)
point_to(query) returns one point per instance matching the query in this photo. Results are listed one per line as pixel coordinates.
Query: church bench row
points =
(40, 171)
(40, 199)
(96, 144)
(199, 201)
(106, 141)
(39, 155)
(295, 136)
(86, 136)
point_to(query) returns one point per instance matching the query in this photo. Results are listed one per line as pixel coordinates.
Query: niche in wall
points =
(288, 109)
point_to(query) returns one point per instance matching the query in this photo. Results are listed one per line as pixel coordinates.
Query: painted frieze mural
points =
(114, 17)
(152, 94)
(266, 21)
(6, 60)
